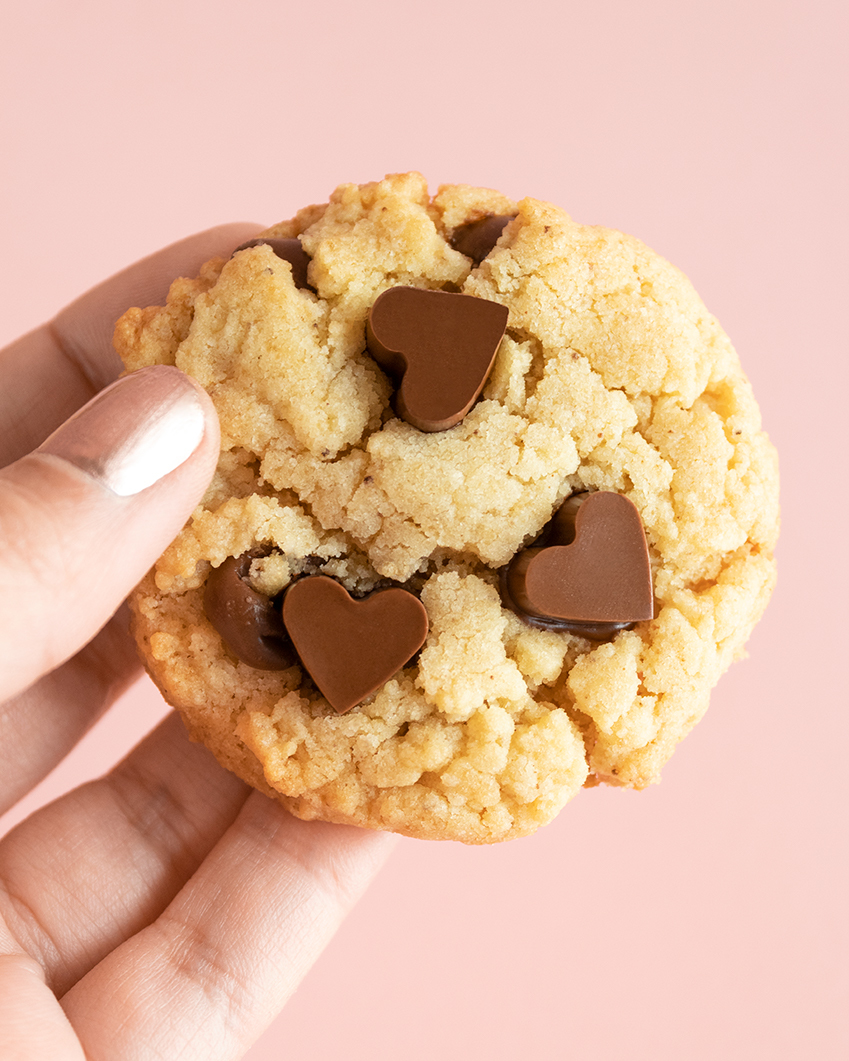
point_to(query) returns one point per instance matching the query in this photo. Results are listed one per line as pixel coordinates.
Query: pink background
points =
(704, 918)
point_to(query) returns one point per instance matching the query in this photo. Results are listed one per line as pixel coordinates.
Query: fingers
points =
(83, 874)
(32, 1023)
(48, 374)
(209, 975)
(61, 707)
(84, 517)
(40, 388)
(44, 378)
(102, 863)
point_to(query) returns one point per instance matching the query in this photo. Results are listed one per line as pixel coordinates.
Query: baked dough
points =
(611, 376)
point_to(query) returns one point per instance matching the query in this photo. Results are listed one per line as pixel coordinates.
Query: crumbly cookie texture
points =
(612, 376)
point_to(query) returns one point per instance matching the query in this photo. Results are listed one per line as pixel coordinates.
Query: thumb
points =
(84, 516)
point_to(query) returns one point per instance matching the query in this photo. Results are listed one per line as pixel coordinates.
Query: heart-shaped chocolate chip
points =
(589, 572)
(291, 251)
(352, 647)
(438, 347)
(249, 624)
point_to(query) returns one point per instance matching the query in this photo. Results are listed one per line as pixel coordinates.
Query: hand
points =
(165, 910)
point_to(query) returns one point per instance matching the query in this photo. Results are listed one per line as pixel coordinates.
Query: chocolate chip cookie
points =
(493, 512)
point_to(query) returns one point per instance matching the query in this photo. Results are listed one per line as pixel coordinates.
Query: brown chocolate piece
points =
(477, 238)
(589, 572)
(352, 647)
(438, 347)
(291, 251)
(248, 622)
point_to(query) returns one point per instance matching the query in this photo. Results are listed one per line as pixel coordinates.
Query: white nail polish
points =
(134, 432)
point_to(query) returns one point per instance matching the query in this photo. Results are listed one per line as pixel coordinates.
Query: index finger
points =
(47, 375)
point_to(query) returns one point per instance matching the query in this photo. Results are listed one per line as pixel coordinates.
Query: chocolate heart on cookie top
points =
(439, 347)
(352, 647)
(590, 572)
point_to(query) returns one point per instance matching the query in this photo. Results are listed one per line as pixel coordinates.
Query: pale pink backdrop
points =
(705, 918)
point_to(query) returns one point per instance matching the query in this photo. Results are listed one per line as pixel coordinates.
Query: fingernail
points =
(134, 432)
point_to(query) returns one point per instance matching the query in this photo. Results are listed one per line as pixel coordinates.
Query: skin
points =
(164, 910)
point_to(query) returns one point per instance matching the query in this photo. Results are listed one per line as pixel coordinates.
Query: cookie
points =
(493, 512)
